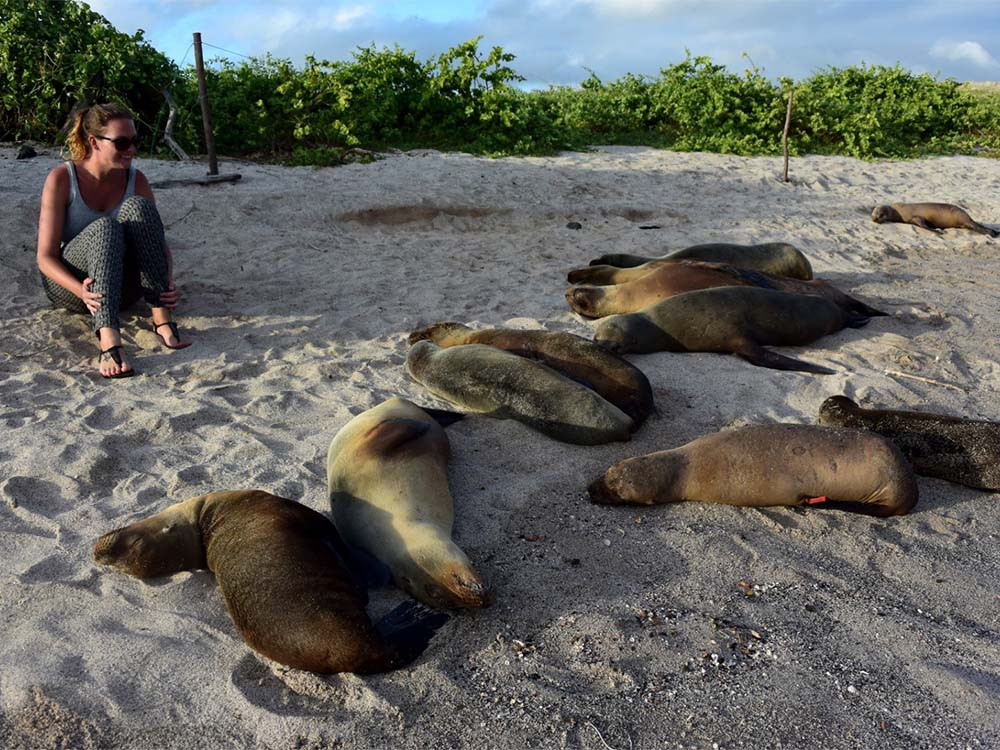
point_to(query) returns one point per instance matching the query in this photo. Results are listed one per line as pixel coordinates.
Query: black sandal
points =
(112, 351)
(173, 330)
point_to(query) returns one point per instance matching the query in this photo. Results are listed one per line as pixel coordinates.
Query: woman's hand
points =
(91, 299)
(171, 297)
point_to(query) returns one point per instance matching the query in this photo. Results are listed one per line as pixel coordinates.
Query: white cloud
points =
(972, 52)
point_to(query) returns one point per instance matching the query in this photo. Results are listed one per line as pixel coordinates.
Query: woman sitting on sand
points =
(100, 239)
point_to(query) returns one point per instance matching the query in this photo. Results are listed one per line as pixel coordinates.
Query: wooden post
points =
(788, 121)
(206, 112)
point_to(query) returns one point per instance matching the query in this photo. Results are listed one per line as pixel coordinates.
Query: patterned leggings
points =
(126, 257)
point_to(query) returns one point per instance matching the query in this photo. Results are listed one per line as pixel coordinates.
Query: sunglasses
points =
(122, 143)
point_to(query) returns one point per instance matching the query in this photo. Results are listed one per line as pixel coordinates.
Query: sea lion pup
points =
(932, 216)
(765, 465)
(964, 451)
(387, 478)
(283, 574)
(689, 275)
(778, 258)
(580, 359)
(491, 381)
(731, 319)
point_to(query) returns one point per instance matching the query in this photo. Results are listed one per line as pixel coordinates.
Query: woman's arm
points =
(55, 195)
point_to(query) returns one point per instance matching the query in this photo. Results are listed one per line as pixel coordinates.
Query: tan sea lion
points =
(732, 319)
(965, 451)
(580, 359)
(766, 465)
(932, 216)
(771, 257)
(670, 279)
(494, 382)
(284, 577)
(387, 478)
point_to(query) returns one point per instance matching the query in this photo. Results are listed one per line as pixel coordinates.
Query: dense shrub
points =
(54, 52)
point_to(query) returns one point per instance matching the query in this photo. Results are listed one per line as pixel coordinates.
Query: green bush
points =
(54, 53)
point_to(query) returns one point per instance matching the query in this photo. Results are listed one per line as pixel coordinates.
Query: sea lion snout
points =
(834, 409)
(582, 299)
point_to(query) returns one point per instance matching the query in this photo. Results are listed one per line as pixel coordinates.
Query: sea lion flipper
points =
(921, 222)
(442, 416)
(756, 354)
(408, 629)
(372, 571)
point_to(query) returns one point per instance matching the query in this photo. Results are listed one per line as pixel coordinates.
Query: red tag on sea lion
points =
(816, 500)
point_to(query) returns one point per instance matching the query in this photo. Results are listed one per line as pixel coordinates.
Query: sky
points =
(559, 42)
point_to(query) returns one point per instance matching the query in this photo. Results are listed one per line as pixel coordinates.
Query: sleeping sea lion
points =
(670, 279)
(580, 359)
(387, 479)
(965, 451)
(771, 257)
(731, 319)
(932, 216)
(766, 465)
(284, 577)
(494, 382)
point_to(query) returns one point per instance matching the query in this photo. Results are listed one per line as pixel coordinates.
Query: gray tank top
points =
(79, 214)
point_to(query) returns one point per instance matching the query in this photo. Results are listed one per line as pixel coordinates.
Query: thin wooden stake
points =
(206, 112)
(788, 121)
(929, 381)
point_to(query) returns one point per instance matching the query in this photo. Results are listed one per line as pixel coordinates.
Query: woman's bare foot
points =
(112, 362)
(166, 329)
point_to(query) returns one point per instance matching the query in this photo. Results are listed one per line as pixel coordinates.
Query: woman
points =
(100, 239)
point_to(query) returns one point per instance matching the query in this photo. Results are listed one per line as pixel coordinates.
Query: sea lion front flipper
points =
(442, 416)
(408, 629)
(921, 222)
(857, 307)
(756, 354)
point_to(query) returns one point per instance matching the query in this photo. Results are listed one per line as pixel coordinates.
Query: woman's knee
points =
(136, 207)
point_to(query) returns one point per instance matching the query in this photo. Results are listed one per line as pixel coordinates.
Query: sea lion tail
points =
(408, 629)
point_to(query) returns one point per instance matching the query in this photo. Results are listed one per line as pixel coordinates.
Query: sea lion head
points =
(161, 545)
(835, 410)
(632, 332)
(583, 299)
(884, 213)
(441, 333)
(441, 576)
(644, 480)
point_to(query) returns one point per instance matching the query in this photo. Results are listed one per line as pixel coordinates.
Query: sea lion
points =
(932, 216)
(688, 275)
(778, 258)
(730, 319)
(766, 465)
(965, 451)
(387, 479)
(580, 359)
(284, 577)
(494, 382)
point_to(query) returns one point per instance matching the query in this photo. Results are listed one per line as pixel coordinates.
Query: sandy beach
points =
(680, 626)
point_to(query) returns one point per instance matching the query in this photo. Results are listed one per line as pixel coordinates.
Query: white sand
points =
(612, 627)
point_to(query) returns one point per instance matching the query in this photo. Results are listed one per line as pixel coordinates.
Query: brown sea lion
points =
(387, 479)
(766, 465)
(965, 451)
(932, 216)
(689, 275)
(771, 257)
(284, 577)
(494, 382)
(732, 319)
(580, 359)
